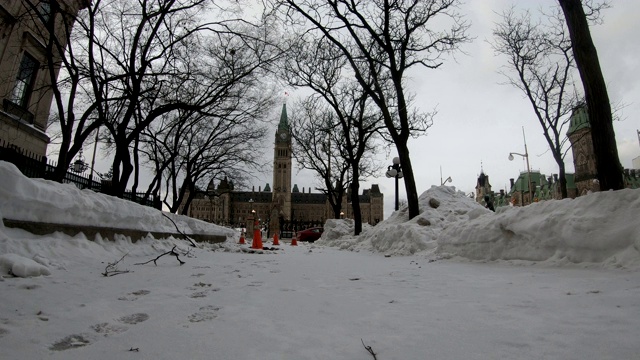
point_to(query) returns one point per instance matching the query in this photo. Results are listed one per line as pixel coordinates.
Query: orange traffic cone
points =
(257, 237)
(241, 238)
(294, 240)
(275, 239)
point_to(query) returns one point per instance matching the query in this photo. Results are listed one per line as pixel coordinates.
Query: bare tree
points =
(340, 112)
(540, 64)
(381, 40)
(597, 98)
(193, 148)
(317, 148)
(157, 58)
(361, 124)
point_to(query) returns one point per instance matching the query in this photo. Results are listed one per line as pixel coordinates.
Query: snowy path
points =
(312, 302)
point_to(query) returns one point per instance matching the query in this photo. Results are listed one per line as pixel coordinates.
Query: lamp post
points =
(250, 223)
(93, 157)
(445, 180)
(526, 156)
(395, 171)
(79, 166)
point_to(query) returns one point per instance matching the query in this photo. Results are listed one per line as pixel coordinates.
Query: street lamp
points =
(79, 166)
(395, 171)
(447, 179)
(526, 156)
(253, 212)
(93, 157)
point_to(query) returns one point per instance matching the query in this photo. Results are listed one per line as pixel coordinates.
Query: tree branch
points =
(369, 349)
(172, 252)
(112, 268)
(178, 230)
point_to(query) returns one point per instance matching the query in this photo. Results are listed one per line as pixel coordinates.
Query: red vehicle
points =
(310, 234)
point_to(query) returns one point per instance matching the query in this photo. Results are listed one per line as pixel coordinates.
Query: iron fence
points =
(34, 166)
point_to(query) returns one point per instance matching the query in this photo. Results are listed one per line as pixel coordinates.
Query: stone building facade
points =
(483, 187)
(584, 161)
(284, 205)
(25, 91)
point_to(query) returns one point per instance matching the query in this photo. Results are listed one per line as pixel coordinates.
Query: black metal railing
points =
(34, 166)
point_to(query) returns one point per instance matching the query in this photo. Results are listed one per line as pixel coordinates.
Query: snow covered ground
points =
(555, 280)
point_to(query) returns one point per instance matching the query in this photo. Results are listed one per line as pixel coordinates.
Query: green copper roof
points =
(522, 183)
(579, 119)
(543, 189)
(284, 120)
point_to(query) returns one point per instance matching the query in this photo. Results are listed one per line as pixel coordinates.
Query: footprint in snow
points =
(133, 296)
(205, 313)
(134, 318)
(70, 342)
(107, 329)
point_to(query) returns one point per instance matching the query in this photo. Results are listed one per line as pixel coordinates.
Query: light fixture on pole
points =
(526, 156)
(447, 179)
(395, 171)
(93, 157)
(253, 212)
(79, 166)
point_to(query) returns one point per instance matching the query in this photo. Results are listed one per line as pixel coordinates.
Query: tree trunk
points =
(122, 170)
(63, 164)
(136, 167)
(595, 89)
(563, 182)
(562, 176)
(409, 180)
(355, 202)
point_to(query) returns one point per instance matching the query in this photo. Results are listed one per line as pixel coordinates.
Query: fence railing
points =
(34, 166)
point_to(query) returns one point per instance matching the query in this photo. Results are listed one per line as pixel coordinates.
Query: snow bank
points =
(47, 201)
(440, 207)
(601, 228)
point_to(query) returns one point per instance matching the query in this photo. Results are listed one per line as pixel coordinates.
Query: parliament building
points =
(283, 206)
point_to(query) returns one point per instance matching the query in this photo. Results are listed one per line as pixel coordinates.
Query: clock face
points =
(283, 136)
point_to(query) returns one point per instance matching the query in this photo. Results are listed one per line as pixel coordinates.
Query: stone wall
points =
(106, 233)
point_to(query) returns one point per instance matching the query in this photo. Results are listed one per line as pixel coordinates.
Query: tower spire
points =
(284, 120)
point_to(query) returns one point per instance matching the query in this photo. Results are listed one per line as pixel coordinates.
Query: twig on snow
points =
(112, 268)
(172, 252)
(370, 350)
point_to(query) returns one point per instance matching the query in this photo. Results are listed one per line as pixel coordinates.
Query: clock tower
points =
(282, 168)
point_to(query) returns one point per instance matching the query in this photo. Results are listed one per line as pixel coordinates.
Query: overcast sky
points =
(480, 120)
